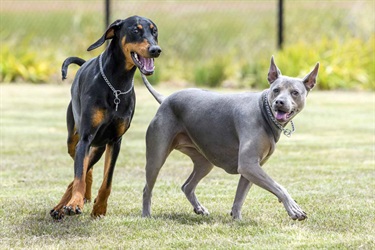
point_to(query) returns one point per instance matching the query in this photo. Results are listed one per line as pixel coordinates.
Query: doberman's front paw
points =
(74, 206)
(57, 214)
(69, 210)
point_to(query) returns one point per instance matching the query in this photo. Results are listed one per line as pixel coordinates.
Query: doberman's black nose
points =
(154, 50)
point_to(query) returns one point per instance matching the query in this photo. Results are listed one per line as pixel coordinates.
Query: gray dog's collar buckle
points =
(286, 132)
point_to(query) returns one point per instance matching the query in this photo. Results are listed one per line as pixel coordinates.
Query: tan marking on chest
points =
(97, 117)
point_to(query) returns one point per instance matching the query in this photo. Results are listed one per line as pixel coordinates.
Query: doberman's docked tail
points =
(67, 62)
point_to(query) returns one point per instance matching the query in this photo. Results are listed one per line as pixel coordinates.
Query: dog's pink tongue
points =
(148, 64)
(281, 116)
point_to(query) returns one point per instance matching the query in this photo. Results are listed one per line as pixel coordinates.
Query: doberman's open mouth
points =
(145, 65)
(283, 116)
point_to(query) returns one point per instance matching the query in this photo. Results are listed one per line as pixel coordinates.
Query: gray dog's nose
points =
(154, 50)
(279, 102)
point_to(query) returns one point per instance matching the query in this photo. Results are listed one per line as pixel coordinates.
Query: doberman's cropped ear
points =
(273, 72)
(310, 80)
(108, 34)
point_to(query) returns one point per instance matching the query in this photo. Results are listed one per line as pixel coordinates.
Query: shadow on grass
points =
(41, 224)
(194, 219)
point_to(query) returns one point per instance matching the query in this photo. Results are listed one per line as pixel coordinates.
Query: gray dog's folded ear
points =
(310, 80)
(108, 34)
(273, 72)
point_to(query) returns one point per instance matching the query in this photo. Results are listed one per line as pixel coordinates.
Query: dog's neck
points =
(114, 68)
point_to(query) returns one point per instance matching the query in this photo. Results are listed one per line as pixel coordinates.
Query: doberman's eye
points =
(154, 32)
(135, 30)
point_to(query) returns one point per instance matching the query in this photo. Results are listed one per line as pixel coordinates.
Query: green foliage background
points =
(212, 43)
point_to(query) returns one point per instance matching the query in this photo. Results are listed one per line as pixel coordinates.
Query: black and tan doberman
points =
(102, 107)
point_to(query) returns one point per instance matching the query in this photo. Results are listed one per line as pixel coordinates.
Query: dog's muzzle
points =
(283, 116)
(282, 111)
(146, 64)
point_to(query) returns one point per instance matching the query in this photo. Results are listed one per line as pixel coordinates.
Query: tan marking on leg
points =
(64, 199)
(72, 143)
(122, 127)
(100, 206)
(79, 189)
(88, 185)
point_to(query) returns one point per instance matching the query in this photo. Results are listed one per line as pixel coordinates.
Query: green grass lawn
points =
(327, 166)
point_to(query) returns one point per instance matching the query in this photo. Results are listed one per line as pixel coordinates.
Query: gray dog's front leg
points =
(251, 170)
(243, 188)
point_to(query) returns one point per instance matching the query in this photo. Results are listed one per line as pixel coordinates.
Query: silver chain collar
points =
(116, 92)
(286, 131)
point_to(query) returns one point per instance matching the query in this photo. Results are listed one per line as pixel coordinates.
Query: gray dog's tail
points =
(70, 60)
(158, 97)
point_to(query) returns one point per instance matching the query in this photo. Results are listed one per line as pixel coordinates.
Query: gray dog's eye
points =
(276, 91)
(295, 93)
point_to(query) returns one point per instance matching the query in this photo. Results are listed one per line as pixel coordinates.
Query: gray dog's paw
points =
(201, 210)
(295, 211)
(236, 215)
(299, 216)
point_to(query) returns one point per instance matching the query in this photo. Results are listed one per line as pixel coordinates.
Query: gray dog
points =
(236, 132)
